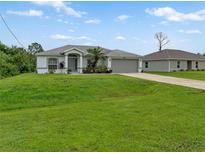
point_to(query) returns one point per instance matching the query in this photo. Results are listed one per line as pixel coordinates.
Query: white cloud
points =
(191, 31)
(83, 38)
(120, 38)
(136, 38)
(87, 43)
(122, 17)
(60, 37)
(71, 30)
(59, 20)
(139, 40)
(26, 13)
(61, 7)
(163, 23)
(63, 21)
(171, 14)
(93, 21)
(68, 37)
(47, 17)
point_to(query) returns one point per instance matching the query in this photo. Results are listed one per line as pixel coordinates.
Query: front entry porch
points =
(74, 61)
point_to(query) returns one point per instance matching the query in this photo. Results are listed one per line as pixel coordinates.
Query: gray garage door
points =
(124, 65)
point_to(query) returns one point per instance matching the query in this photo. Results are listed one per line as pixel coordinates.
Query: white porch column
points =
(140, 65)
(81, 64)
(66, 63)
(109, 63)
(169, 66)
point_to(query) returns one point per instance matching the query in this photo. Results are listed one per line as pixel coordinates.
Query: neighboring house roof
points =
(108, 52)
(173, 54)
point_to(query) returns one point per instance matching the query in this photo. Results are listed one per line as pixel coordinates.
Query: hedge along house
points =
(169, 60)
(73, 58)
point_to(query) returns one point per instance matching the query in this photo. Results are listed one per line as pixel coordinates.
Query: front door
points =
(189, 65)
(72, 64)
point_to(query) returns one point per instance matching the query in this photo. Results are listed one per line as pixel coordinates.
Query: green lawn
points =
(196, 75)
(99, 113)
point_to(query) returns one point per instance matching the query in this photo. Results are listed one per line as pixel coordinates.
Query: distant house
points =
(169, 60)
(73, 58)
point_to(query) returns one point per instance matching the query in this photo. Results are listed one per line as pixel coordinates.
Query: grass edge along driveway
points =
(196, 75)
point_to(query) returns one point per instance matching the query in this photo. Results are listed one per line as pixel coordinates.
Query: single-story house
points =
(73, 58)
(169, 60)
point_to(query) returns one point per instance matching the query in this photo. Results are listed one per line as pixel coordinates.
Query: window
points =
(178, 64)
(52, 64)
(146, 64)
(197, 64)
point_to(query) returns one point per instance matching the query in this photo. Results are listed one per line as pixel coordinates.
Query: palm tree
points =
(94, 55)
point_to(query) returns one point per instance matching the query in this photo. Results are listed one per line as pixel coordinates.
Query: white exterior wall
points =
(85, 62)
(42, 64)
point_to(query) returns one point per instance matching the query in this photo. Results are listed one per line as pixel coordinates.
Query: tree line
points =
(15, 60)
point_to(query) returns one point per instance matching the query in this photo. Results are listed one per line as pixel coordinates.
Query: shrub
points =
(87, 70)
(68, 71)
(101, 69)
(109, 71)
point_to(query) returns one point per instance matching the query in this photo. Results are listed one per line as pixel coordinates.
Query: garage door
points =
(124, 65)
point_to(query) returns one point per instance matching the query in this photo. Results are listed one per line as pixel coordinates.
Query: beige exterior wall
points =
(173, 65)
(201, 64)
(156, 65)
(183, 65)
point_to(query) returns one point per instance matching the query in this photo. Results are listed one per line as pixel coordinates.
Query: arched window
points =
(52, 64)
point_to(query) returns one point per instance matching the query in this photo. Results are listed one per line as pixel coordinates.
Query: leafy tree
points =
(94, 55)
(15, 60)
(162, 40)
(3, 47)
(35, 48)
(6, 67)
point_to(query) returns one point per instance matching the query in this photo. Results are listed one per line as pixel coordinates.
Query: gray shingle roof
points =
(122, 54)
(111, 53)
(173, 54)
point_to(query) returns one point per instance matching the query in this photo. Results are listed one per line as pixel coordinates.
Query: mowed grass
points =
(196, 75)
(99, 113)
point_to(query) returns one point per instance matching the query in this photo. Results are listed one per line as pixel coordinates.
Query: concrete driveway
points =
(170, 80)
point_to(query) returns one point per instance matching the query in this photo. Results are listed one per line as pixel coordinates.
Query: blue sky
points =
(128, 26)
